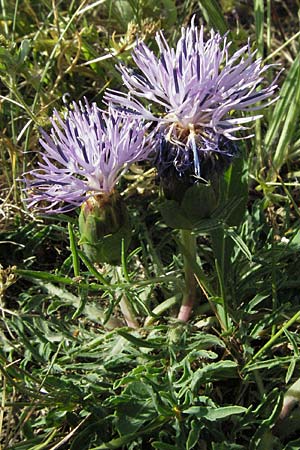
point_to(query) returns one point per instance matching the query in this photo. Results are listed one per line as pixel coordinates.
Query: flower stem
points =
(189, 243)
(127, 312)
(125, 305)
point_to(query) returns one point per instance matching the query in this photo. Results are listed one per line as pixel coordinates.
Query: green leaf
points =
(290, 370)
(293, 445)
(198, 203)
(214, 372)
(227, 446)
(135, 408)
(119, 442)
(213, 15)
(74, 250)
(173, 215)
(139, 342)
(269, 408)
(169, 9)
(235, 186)
(194, 434)
(239, 242)
(235, 181)
(212, 414)
(289, 124)
(257, 299)
(163, 446)
(271, 363)
(284, 118)
(23, 51)
(259, 24)
(7, 62)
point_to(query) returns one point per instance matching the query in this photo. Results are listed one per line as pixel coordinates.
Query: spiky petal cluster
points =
(197, 85)
(85, 154)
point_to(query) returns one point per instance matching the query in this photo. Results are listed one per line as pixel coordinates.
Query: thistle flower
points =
(196, 85)
(85, 155)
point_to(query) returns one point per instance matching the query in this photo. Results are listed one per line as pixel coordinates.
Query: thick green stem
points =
(161, 308)
(189, 243)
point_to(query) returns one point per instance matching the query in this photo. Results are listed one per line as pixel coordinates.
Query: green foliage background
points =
(73, 376)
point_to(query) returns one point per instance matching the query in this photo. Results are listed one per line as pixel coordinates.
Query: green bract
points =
(103, 224)
(199, 202)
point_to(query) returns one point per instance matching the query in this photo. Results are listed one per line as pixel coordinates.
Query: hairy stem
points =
(127, 312)
(189, 243)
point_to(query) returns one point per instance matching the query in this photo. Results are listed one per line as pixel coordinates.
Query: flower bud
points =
(103, 224)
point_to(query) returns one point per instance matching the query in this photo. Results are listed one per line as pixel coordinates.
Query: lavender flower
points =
(85, 154)
(197, 86)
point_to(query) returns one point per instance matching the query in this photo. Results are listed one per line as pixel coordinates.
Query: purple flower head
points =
(196, 86)
(85, 154)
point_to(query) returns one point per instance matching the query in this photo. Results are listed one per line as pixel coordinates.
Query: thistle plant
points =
(197, 93)
(84, 157)
(193, 245)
